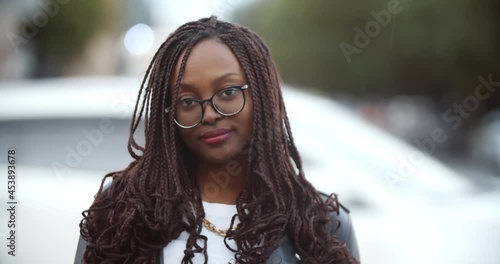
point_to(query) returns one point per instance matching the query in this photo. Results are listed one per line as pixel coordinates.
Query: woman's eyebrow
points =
(187, 86)
(222, 77)
(213, 83)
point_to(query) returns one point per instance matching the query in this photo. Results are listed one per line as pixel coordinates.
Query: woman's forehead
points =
(210, 60)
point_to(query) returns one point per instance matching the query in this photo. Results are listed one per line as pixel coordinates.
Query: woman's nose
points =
(210, 115)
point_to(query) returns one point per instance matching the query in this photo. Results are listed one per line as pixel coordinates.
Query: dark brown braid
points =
(150, 202)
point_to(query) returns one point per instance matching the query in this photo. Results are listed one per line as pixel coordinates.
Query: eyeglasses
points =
(227, 102)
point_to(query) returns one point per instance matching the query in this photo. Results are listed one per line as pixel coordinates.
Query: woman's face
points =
(211, 67)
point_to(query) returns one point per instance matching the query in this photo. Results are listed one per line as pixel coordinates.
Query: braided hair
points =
(151, 201)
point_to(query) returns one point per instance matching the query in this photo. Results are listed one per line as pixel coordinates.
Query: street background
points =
(402, 98)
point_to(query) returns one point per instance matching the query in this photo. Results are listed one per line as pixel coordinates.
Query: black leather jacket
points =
(285, 253)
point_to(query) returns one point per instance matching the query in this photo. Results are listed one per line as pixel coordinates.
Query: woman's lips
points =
(216, 136)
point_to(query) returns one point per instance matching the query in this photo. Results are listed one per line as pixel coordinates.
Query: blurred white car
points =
(406, 206)
(485, 144)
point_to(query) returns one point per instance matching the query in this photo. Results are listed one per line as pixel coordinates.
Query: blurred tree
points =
(67, 30)
(430, 47)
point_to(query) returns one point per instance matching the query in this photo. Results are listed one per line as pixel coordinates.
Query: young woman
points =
(219, 179)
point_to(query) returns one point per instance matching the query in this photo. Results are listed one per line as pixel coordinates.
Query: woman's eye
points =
(229, 91)
(187, 102)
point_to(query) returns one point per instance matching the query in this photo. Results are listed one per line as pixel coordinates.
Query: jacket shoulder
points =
(345, 233)
(82, 244)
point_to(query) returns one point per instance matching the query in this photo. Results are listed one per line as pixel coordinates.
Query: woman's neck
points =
(222, 182)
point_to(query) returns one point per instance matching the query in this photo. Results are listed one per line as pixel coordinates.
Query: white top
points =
(220, 215)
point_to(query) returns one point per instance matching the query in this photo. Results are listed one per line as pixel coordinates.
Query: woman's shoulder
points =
(345, 231)
(343, 210)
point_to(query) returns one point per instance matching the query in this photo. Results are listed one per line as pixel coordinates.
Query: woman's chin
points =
(216, 157)
(219, 159)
